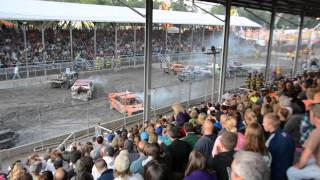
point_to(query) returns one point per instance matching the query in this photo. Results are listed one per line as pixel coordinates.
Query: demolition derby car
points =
(195, 73)
(175, 68)
(126, 103)
(82, 89)
(64, 80)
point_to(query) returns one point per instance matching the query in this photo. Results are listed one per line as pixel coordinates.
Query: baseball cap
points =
(158, 131)
(109, 137)
(144, 136)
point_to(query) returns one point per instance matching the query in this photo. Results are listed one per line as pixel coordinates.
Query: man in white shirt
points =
(16, 72)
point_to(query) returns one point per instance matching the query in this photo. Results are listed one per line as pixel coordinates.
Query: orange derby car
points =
(126, 103)
(176, 68)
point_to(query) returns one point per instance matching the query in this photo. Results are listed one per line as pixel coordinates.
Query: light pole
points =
(24, 29)
(214, 51)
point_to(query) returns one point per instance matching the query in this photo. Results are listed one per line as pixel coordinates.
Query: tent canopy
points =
(61, 11)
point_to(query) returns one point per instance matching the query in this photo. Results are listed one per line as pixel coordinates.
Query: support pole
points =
(134, 41)
(191, 39)
(95, 41)
(24, 29)
(44, 50)
(269, 46)
(116, 42)
(179, 43)
(115, 57)
(213, 77)
(224, 51)
(202, 38)
(295, 63)
(134, 46)
(71, 44)
(147, 60)
(166, 42)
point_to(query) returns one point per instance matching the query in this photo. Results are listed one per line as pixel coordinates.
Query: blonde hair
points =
(230, 124)
(177, 108)
(201, 118)
(17, 172)
(250, 116)
(194, 114)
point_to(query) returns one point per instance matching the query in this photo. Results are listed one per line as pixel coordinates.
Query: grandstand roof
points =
(36, 10)
(297, 7)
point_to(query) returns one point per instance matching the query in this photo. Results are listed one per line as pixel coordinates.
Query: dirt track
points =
(39, 112)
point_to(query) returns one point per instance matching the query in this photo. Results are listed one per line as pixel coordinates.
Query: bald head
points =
(207, 127)
(271, 122)
(60, 174)
(101, 165)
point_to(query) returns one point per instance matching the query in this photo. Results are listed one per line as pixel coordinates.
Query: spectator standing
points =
(191, 138)
(16, 72)
(121, 165)
(179, 115)
(230, 124)
(206, 142)
(102, 167)
(221, 163)
(61, 174)
(308, 167)
(136, 166)
(177, 154)
(280, 145)
(197, 168)
(249, 166)
(35, 169)
(193, 116)
(306, 126)
(156, 170)
(292, 127)
(255, 142)
(98, 149)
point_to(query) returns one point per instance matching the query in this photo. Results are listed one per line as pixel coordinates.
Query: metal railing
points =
(56, 67)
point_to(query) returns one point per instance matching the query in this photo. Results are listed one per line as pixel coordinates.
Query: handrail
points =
(104, 128)
(64, 141)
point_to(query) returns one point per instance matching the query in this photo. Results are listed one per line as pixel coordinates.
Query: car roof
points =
(127, 95)
(82, 82)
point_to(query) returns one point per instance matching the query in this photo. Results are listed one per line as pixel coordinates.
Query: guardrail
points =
(56, 67)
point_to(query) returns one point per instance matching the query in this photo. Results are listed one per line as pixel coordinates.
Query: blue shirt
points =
(281, 146)
(106, 175)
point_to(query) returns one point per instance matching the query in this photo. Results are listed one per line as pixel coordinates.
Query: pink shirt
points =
(239, 146)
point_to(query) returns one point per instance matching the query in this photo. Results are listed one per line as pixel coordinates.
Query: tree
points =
(179, 6)
(218, 9)
(132, 3)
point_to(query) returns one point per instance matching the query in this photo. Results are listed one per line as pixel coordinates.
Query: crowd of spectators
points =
(57, 44)
(268, 134)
